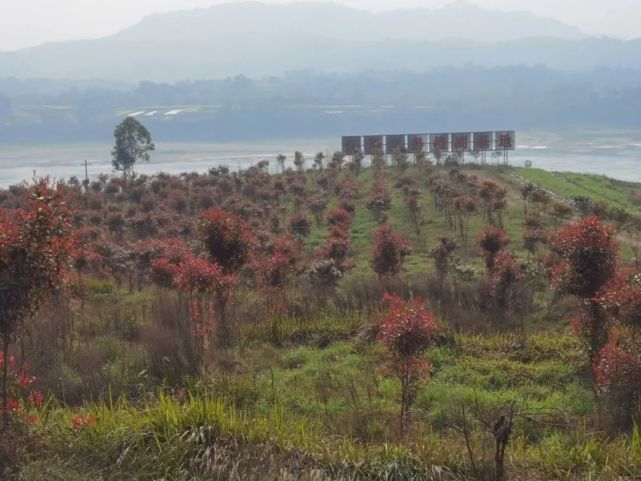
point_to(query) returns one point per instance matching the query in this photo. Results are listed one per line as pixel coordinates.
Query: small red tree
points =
(618, 373)
(227, 239)
(487, 194)
(144, 253)
(588, 260)
(380, 200)
(317, 204)
(407, 330)
(619, 362)
(163, 272)
(299, 161)
(589, 253)
(532, 238)
(399, 160)
(300, 226)
(618, 369)
(389, 251)
(276, 270)
(332, 256)
(442, 255)
(415, 206)
(621, 300)
(201, 279)
(229, 244)
(275, 267)
(491, 241)
(20, 392)
(83, 257)
(34, 248)
(505, 274)
(163, 268)
(339, 217)
(336, 246)
(464, 208)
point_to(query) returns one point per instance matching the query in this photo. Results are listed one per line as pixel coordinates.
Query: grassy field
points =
(309, 412)
(617, 194)
(310, 397)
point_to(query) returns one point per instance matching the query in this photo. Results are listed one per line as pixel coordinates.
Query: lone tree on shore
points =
(133, 142)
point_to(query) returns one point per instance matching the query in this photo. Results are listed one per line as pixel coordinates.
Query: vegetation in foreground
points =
(402, 321)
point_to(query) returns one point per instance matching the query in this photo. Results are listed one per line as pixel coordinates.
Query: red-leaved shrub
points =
(407, 330)
(389, 251)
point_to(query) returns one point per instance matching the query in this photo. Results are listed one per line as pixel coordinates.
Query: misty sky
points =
(31, 22)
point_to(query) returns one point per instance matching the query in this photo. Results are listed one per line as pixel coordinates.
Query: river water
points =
(615, 154)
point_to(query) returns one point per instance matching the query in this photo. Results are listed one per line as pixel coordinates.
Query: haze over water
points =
(615, 154)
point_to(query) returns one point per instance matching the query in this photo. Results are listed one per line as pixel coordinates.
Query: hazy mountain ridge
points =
(257, 39)
(459, 20)
(162, 59)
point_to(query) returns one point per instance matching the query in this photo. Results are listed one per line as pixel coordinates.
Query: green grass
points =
(597, 187)
(332, 411)
(433, 227)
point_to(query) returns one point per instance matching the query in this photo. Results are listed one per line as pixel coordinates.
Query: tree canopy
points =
(132, 143)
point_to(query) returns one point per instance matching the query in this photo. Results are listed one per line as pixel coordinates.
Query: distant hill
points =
(256, 39)
(461, 20)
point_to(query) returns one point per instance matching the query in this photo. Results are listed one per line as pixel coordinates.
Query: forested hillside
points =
(319, 105)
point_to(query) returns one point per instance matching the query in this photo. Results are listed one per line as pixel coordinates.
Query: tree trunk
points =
(596, 332)
(81, 288)
(5, 381)
(222, 330)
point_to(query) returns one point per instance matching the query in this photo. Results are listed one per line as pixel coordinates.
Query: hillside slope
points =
(306, 391)
(256, 39)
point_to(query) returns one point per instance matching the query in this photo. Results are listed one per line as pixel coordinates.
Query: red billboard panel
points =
(439, 143)
(482, 141)
(505, 140)
(460, 142)
(393, 143)
(373, 144)
(417, 142)
(351, 144)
